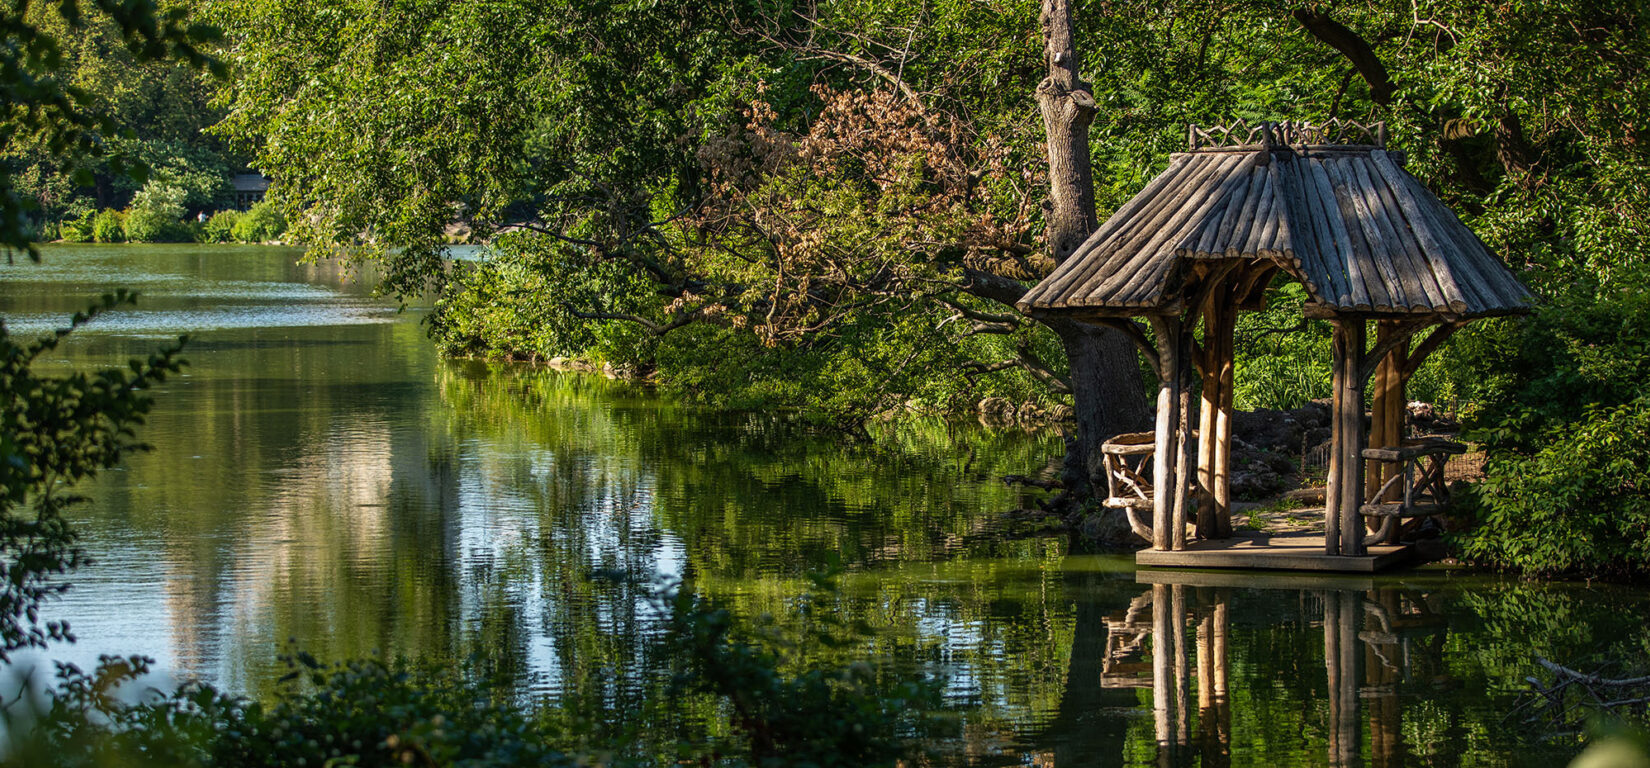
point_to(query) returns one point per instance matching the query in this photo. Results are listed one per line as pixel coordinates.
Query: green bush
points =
(368, 713)
(1579, 504)
(261, 224)
(156, 215)
(109, 226)
(221, 227)
(77, 229)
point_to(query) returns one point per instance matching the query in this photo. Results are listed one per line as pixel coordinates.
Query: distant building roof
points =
(250, 182)
(1345, 219)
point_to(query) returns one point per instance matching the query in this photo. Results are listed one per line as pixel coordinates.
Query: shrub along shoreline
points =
(161, 219)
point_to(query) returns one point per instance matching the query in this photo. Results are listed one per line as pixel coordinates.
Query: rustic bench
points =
(1420, 475)
(1128, 476)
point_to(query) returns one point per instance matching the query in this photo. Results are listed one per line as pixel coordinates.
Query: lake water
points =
(321, 480)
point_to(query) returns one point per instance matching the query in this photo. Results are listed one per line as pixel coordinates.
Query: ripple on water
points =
(171, 322)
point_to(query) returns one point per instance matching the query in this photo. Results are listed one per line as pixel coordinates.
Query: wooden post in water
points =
(1348, 727)
(1341, 612)
(1213, 714)
(1383, 660)
(1332, 665)
(1182, 680)
(1223, 703)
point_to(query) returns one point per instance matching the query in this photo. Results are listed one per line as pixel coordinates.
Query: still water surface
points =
(321, 478)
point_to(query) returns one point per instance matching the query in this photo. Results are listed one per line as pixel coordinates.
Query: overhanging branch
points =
(1356, 50)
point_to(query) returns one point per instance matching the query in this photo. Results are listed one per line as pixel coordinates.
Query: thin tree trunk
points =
(1108, 395)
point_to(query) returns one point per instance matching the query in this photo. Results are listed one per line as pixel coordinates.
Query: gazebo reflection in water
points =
(1173, 639)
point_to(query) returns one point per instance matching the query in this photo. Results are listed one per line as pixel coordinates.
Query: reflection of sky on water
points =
(147, 322)
(297, 490)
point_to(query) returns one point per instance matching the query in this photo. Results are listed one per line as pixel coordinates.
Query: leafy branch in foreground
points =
(56, 431)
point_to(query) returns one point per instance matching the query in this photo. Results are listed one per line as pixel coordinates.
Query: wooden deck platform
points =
(1272, 551)
(1292, 580)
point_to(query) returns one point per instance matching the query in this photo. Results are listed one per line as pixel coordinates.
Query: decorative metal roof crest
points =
(1288, 133)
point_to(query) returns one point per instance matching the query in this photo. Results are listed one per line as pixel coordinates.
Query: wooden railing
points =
(1416, 490)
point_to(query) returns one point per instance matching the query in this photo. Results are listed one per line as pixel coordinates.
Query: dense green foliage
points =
(156, 215)
(1580, 502)
(54, 432)
(261, 223)
(96, 96)
(604, 132)
(1562, 415)
(830, 205)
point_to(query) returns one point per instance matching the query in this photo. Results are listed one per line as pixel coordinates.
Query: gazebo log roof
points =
(1361, 233)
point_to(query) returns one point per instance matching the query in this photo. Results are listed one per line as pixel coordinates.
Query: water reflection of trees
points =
(609, 479)
(468, 517)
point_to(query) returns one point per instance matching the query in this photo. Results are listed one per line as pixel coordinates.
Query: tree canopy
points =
(835, 205)
(78, 80)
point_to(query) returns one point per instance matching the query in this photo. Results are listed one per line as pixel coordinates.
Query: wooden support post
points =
(1386, 429)
(1208, 409)
(1223, 425)
(1182, 444)
(1214, 445)
(1168, 470)
(1343, 525)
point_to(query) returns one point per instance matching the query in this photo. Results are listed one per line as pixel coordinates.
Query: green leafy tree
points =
(848, 197)
(156, 215)
(47, 113)
(638, 134)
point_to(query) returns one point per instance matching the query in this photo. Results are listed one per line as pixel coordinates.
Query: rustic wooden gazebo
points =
(1325, 205)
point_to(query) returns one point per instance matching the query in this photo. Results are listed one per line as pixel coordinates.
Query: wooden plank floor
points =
(1272, 551)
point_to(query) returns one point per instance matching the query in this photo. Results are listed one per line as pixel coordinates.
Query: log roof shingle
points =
(1361, 233)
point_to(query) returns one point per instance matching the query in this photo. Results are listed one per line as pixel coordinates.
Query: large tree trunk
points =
(1105, 372)
(1068, 109)
(1108, 398)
